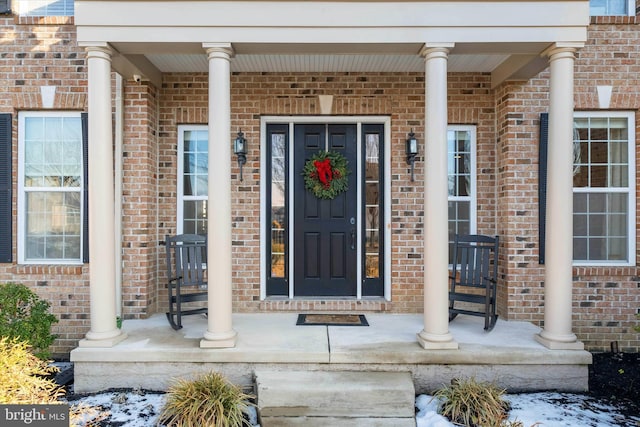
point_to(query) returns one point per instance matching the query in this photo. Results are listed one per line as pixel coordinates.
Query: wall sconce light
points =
(240, 150)
(411, 150)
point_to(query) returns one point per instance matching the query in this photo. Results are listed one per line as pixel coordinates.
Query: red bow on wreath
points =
(325, 175)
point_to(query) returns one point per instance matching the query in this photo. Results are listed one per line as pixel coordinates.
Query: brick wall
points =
(139, 210)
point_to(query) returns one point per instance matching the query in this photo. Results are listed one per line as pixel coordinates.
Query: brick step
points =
(349, 399)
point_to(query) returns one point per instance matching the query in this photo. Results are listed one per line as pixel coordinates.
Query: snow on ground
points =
(141, 409)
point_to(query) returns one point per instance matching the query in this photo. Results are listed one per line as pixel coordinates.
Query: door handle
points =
(353, 239)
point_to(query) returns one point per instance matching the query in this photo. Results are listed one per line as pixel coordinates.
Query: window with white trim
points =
(612, 7)
(45, 7)
(193, 184)
(461, 166)
(603, 188)
(50, 187)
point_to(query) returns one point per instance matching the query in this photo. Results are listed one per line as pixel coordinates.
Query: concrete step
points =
(333, 398)
(335, 422)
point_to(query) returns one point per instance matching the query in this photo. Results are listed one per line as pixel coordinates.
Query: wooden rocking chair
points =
(187, 276)
(473, 278)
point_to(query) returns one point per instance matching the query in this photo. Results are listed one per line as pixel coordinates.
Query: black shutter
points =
(85, 189)
(5, 7)
(542, 182)
(6, 241)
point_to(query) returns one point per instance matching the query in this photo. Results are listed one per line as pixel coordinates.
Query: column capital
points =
(97, 49)
(562, 50)
(219, 50)
(436, 50)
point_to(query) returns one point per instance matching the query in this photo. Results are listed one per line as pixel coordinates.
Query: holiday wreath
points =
(326, 174)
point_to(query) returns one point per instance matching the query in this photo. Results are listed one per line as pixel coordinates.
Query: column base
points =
(219, 340)
(552, 344)
(93, 340)
(436, 342)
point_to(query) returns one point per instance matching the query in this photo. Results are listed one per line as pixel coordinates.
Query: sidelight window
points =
(193, 187)
(461, 176)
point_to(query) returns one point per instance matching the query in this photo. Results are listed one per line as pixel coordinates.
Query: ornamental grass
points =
(209, 400)
(24, 378)
(473, 404)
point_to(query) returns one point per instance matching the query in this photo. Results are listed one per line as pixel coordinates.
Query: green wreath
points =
(326, 174)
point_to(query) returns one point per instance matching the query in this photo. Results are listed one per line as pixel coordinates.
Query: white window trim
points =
(21, 223)
(473, 198)
(631, 9)
(180, 175)
(631, 208)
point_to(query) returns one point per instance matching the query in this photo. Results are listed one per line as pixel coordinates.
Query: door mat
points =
(332, 319)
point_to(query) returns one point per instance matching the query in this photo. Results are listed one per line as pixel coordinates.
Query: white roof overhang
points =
(504, 38)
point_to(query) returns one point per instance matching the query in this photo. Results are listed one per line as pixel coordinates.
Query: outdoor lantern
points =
(412, 150)
(240, 150)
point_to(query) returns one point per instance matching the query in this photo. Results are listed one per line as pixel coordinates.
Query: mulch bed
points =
(615, 377)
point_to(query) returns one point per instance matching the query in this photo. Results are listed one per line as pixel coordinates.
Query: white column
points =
(104, 332)
(435, 334)
(220, 331)
(557, 332)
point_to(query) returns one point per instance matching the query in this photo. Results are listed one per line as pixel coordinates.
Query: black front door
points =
(325, 231)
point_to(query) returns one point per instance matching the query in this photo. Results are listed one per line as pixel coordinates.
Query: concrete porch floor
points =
(154, 354)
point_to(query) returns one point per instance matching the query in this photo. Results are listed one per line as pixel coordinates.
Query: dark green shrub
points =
(474, 404)
(25, 316)
(209, 400)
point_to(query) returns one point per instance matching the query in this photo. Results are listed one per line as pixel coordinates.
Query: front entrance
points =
(319, 247)
(325, 230)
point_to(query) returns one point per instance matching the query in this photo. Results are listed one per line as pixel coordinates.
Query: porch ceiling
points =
(520, 60)
(325, 63)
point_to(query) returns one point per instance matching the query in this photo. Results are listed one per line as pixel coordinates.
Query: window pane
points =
(598, 176)
(608, 7)
(372, 266)
(372, 213)
(278, 205)
(45, 7)
(278, 242)
(53, 152)
(53, 225)
(372, 241)
(194, 214)
(579, 248)
(196, 163)
(618, 225)
(372, 167)
(459, 221)
(601, 233)
(579, 225)
(459, 162)
(372, 195)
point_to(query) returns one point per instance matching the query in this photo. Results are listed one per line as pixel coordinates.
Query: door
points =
(325, 231)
